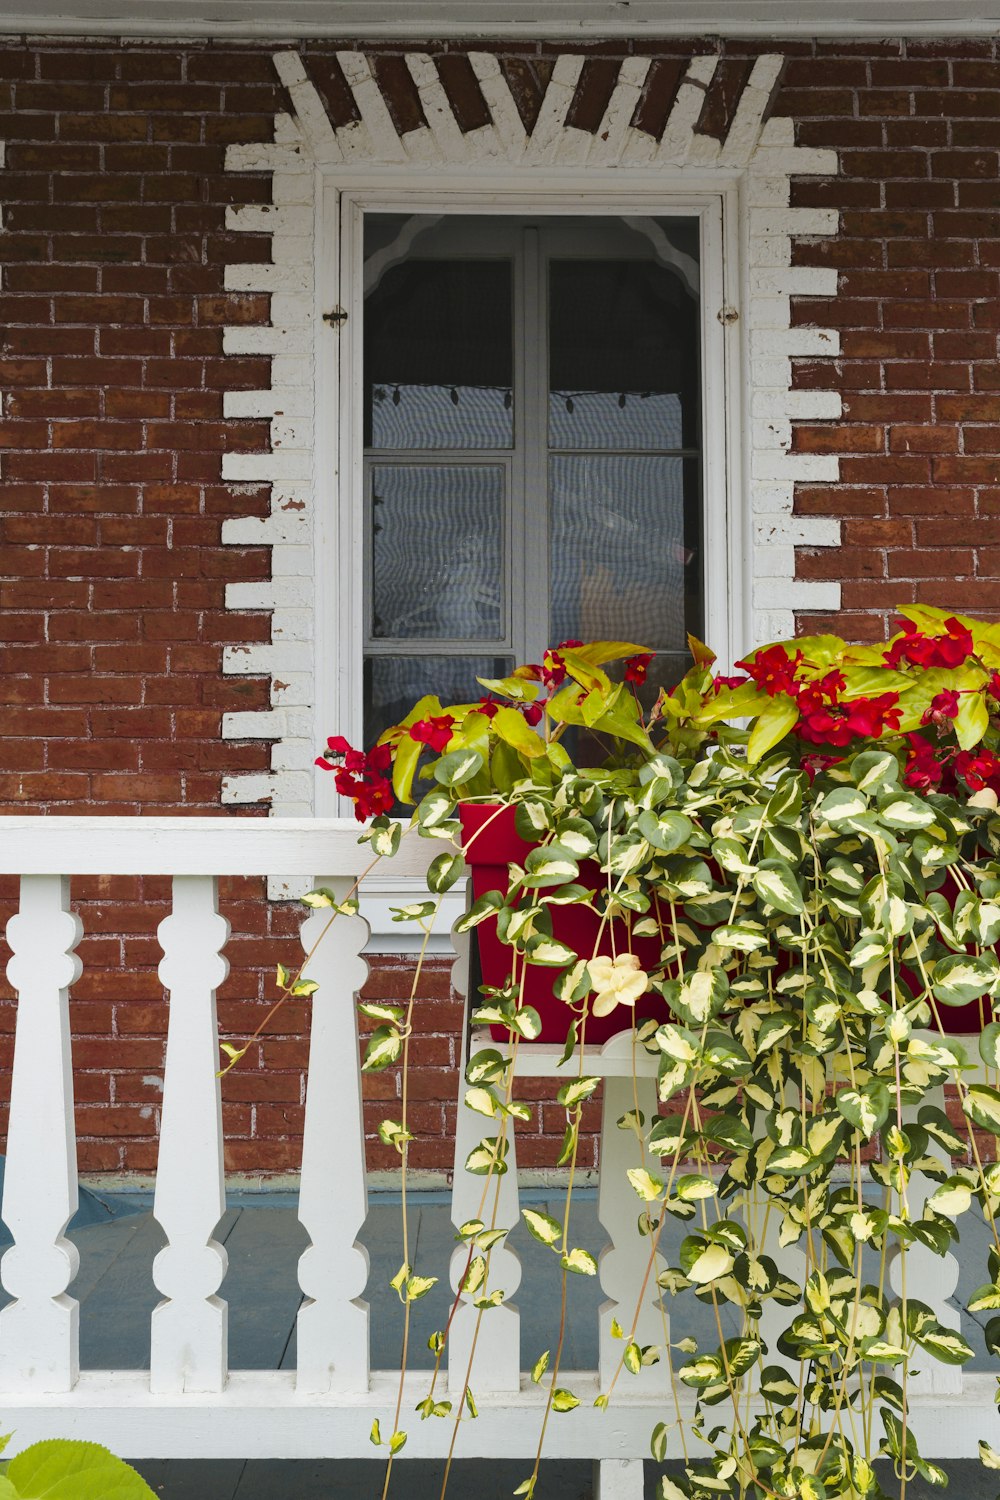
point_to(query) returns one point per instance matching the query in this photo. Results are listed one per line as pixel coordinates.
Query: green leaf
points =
(982, 1105)
(539, 1367)
(905, 812)
(548, 952)
(658, 1442)
(512, 727)
(648, 1187)
(867, 1108)
(384, 1046)
(775, 721)
(666, 831)
(563, 1400)
(551, 864)
(459, 766)
(444, 871)
(972, 719)
(487, 906)
(60, 1469)
(989, 1044)
(775, 882)
(375, 1436)
(397, 1441)
(574, 1093)
(580, 1261)
(542, 1226)
(961, 977)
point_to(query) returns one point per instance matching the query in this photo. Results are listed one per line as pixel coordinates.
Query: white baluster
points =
(39, 1331)
(623, 1264)
(497, 1365)
(332, 1326)
(930, 1278)
(189, 1328)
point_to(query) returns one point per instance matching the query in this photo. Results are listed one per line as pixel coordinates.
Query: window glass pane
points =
(393, 684)
(438, 347)
(625, 549)
(623, 353)
(437, 549)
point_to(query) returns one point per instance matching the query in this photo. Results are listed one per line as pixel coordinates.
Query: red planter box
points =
(495, 847)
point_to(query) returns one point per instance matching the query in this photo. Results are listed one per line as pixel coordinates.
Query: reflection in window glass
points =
(437, 550)
(624, 548)
(393, 684)
(438, 356)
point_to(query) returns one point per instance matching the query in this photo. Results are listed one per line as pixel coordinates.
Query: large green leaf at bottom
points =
(59, 1469)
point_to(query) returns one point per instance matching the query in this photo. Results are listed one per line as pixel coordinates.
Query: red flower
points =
(435, 732)
(489, 707)
(979, 769)
(993, 686)
(825, 689)
(948, 650)
(532, 712)
(553, 669)
(637, 666)
(361, 777)
(720, 682)
(821, 727)
(773, 670)
(869, 716)
(923, 769)
(944, 705)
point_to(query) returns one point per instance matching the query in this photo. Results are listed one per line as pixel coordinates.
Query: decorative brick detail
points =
(356, 108)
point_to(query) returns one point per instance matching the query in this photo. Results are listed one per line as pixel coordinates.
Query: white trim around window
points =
(340, 494)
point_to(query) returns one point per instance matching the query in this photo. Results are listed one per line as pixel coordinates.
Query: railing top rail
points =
(310, 847)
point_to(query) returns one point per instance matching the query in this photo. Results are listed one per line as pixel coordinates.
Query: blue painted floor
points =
(264, 1240)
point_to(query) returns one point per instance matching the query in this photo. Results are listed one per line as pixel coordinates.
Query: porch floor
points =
(264, 1239)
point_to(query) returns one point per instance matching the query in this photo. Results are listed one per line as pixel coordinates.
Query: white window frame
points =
(343, 197)
(340, 493)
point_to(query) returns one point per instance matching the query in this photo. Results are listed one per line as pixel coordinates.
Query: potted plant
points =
(801, 863)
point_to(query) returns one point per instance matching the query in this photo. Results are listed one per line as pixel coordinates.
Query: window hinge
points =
(336, 317)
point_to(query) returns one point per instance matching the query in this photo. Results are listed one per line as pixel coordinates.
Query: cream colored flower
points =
(616, 981)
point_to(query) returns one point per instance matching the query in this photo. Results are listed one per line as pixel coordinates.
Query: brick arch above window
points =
(483, 113)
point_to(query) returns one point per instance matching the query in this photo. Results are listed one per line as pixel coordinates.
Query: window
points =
(534, 445)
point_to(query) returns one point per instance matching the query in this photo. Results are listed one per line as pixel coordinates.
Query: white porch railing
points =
(189, 1403)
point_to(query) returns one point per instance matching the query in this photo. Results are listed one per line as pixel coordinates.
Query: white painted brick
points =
(797, 531)
(267, 466)
(286, 128)
(292, 625)
(248, 277)
(292, 187)
(770, 250)
(795, 281)
(773, 562)
(794, 161)
(265, 218)
(265, 157)
(293, 249)
(291, 754)
(774, 433)
(289, 371)
(806, 468)
(289, 561)
(800, 342)
(770, 498)
(768, 192)
(266, 340)
(779, 131)
(773, 625)
(798, 406)
(250, 661)
(294, 310)
(769, 313)
(284, 402)
(269, 724)
(258, 531)
(776, 373)
(277, 787)
(291, 433)
(797, 221)
(272, 593)
(796, 593)
(293, 690)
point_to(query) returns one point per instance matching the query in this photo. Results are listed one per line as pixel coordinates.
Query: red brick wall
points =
(111, 500)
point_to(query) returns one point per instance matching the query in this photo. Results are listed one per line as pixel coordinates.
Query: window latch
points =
(336, 317)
